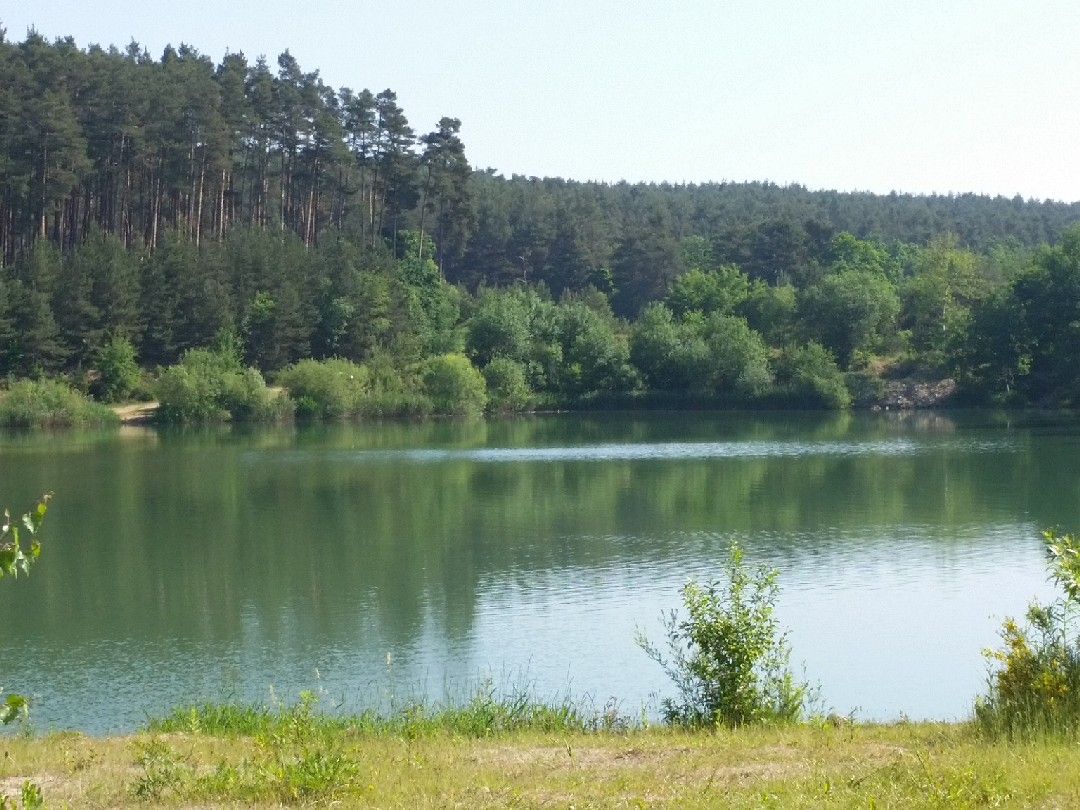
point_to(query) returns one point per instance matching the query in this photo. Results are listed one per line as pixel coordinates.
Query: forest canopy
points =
(151, 206)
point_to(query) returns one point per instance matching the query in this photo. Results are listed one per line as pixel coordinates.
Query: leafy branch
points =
(15, 559)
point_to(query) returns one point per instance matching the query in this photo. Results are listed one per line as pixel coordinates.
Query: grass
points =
(497, 753)
(485, 714)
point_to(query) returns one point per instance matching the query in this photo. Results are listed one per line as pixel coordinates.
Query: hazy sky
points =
(911, 95)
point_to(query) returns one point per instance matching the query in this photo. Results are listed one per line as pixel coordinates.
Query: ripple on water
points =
(639, 452)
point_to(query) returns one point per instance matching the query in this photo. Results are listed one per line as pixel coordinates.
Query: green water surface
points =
(376, 562)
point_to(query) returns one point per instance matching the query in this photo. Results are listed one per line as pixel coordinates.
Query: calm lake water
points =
(373, 563)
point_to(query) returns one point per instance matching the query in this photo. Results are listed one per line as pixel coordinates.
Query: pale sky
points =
(907, 95)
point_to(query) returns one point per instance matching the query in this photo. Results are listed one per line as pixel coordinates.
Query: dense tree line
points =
(1002, 323)
(134, 146)
(149, 207)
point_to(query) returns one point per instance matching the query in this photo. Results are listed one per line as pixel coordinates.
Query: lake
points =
(373, 563)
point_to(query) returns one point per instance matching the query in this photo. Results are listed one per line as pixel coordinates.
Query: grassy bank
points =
(813, 765)
(49, 404)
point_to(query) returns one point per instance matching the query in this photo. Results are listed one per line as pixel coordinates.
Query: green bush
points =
(500, 325)
(329, 389)
(50, 403)
(209, 385)
(507, 387)
(1034, 688)
(739, 358)
(118, 371)
(808, 376)
(336, 389)
(392, 391)
(728, 658)
(247, 399)
(454, 385)
(716, 354)
(595, 356)
(187, 396)
(671, 354)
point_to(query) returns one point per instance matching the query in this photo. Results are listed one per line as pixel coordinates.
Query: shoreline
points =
(901, 396)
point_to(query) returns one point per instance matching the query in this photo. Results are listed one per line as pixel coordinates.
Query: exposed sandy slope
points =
(134, 413)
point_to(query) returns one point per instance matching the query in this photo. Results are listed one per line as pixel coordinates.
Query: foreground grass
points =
(426, 765)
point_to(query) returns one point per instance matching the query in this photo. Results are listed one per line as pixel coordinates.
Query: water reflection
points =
(212, 563)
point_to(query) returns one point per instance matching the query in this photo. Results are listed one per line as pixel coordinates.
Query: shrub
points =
(118, 371)
(500, 325)
(211, 385)
(50, 403)
(718, 354)
(454, 385)
(328, 389)
(671, 354)
(808, 376)
(392, 392)
(187, 396)
(722, 290)
(595, 355)
(727, 657)
(247, 399)
(739, 358)
(506, 385)
(336, 389)
(1035, 687)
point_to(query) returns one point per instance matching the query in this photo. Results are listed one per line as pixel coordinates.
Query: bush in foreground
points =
(50, 403)
(728, 657)
(1034, 688)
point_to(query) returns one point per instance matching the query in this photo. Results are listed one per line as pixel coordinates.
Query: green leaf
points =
(13, 707)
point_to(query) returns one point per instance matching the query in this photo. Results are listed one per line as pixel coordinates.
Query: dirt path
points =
(135, 413)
